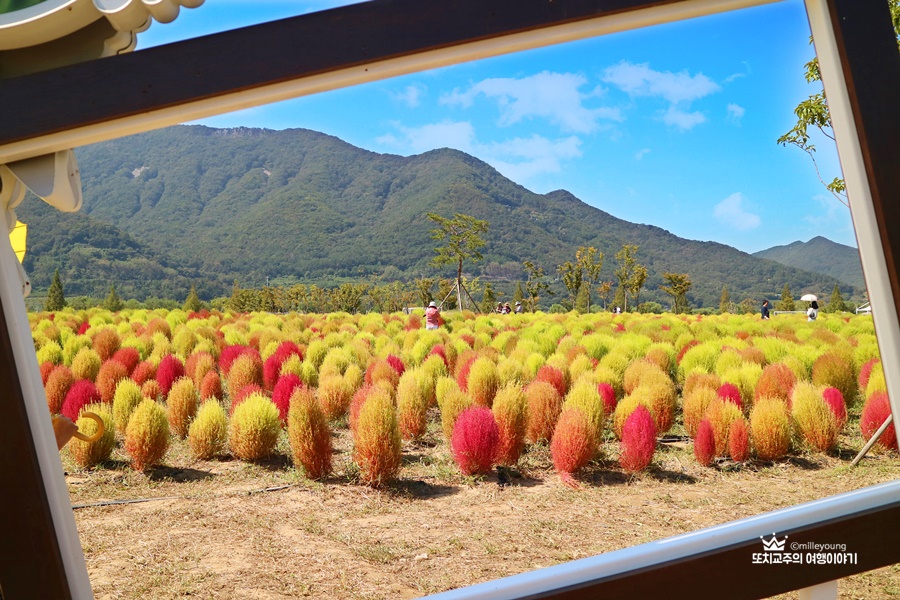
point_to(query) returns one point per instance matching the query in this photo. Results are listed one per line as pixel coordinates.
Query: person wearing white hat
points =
(432, 316)
(519, 308)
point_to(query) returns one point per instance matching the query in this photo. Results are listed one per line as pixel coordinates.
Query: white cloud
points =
(411, 96)
(520, 159)
(446, 134)
(641, 153)
(681, 119)
(730, 212)
(552, 96)
(735, 112)
(641, 80)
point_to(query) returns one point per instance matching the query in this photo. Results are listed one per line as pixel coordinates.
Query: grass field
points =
(230, 528)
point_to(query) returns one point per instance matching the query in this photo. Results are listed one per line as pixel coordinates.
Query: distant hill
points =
(247, 204)
(820, 255)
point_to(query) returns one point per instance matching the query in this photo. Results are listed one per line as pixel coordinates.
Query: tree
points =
(112, 303)
(518, 295)
(488, 299)
(813, 113)
(571, 274)
(591, 261)
(836, 304)
(423, 289)
(631, 275)
(56, 299)
(462, 237)
(679, 285)
(582, 300)
(445, 287)
(535, 284)
(619, 299)
(725, 301)
(787, 301)
(192, 302)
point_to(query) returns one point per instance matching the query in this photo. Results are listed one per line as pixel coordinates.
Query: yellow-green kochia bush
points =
(127, 397)
(147, 435)
(88, 454)
(376, 448)
(181, 405)
(483, 381)
(770, 428)
(510, 413)
(208, 432)
(254, 428)
(455, 401)
(412, 406)
(86, 364)
(309, 434)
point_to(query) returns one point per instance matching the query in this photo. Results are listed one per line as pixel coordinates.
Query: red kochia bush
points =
(143, 371)
(608, 395)
(211, 386)
(288, 348)
(46, 369)
(281, 394)
(730, 393)
(82, 393)
(396, 364)
(111, 372)
(705, 443)
(129, 357)
(170, 368)
(865, 372)
(875, 411)
(554, 377)
(58, 383)
(835, 401)
(475, 441)
(638, 440)
(462, 374)
(574, 443)
(271, 371)
(739, 441)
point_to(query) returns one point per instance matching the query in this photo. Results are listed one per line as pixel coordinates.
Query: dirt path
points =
(219, 536)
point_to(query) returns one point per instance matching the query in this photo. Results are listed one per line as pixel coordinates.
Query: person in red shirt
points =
(432, 316)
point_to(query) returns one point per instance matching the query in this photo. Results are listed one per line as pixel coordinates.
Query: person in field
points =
(813, 311)
(519, 308)
(765, 309)
(432, 316)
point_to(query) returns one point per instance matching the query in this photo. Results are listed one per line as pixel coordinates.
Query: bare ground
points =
(229, 529)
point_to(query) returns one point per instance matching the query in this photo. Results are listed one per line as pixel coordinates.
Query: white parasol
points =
(809, 298)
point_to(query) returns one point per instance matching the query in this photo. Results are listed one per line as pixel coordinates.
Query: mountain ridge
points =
(252, 204)
(820, 255)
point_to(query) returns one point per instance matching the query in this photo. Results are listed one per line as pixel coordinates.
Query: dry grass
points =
(218, 535)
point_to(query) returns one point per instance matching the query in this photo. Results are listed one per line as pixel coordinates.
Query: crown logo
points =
(773, 544)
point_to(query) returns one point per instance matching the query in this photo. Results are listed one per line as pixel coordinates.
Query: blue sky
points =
(673, 125)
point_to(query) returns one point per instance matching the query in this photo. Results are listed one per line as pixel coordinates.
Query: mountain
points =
(92, 255)
(820, 255)
(295, 204)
